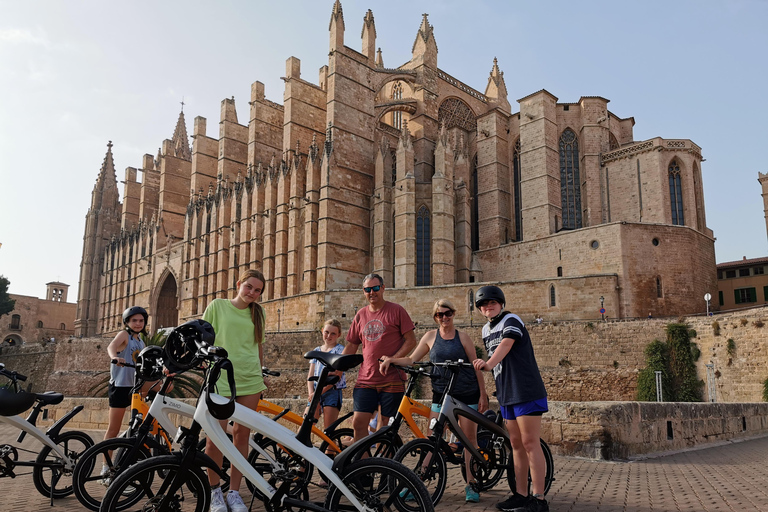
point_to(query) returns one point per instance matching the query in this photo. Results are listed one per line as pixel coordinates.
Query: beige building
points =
(742, 283)
(36, 320)
(409, 172)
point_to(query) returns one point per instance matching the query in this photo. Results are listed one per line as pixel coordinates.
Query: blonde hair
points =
(442, 303)
(257, 312)
(333, 322)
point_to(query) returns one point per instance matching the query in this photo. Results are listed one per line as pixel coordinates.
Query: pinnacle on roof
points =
(368, 22)
(425, 32)
(180, 139)
(336, 14)
(497, 88)
(379, 59)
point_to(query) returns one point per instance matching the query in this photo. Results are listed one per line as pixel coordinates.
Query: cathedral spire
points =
(180, 139)
(105, 190)
(336, 27)
(496, 90)
(379, 59)
(425, 46)
(369, 38)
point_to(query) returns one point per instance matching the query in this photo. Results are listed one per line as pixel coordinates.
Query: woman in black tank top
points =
(443, 344)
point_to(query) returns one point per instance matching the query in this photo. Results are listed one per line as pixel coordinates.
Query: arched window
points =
(397, 116)
(559, 271)
(39, 324)
(423, 238)
(62, 327)
(516, 179)
(676, 194)
(552, 302)
(16, 322)
(475, 210)
(659, 290)
(570, 182)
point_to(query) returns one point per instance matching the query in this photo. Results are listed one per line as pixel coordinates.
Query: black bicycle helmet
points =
(135, 310)
(149, 363)
(182, 344)
(12, 403)
(489, 293)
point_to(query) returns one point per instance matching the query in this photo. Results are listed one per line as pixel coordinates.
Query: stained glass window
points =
(570, 183)
(676, 194)
(423, 239)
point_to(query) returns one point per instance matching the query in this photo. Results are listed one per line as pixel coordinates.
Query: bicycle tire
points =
(549, 469)
(395, 479)
(194, 496)
(289, 461)
(498, 458)
(87, 477)
(434, 475)
(343, 437)
(74, 443)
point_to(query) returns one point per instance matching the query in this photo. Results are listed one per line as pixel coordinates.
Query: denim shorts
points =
(533, 408)
(471, 400)
(369, 399)
(331, 398)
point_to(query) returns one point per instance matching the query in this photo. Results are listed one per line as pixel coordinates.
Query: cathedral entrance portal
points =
(167, 310)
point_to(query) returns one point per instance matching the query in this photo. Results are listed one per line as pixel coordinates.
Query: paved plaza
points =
(727, 477)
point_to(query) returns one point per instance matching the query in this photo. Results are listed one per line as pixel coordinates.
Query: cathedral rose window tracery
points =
(454, 112)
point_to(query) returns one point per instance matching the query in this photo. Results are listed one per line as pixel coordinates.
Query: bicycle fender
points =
(203, 460)
(348, 454)
(55, 429)
(330, 428)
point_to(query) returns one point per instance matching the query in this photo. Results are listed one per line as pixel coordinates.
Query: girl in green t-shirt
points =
(239, 325)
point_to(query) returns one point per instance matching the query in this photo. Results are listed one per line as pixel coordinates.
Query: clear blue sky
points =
(76, 74)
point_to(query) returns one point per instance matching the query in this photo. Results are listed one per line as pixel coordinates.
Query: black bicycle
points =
(429, 457)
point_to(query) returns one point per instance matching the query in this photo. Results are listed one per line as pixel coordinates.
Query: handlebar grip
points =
(217, 351)
(19, 376)
(267, 371)
(126, 364)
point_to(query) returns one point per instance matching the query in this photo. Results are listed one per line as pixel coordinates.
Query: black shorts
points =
(469, 399)
(119, 397)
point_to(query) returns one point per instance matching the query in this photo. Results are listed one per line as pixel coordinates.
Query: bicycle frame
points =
(450, 412)
(43, 437)
(268, 429)
(268, 407)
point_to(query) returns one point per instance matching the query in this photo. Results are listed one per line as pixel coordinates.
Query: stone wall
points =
(579, 361)
(595, 430)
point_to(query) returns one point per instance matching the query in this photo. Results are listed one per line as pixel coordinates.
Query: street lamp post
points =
(278, 319)
(602, 309)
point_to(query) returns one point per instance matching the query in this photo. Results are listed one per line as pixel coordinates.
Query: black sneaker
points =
(536, 505)
(514, 502)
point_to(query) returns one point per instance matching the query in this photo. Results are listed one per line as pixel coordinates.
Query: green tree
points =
(6, 302)
(681, 365)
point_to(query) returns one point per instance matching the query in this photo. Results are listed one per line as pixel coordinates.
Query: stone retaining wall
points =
(595, 430)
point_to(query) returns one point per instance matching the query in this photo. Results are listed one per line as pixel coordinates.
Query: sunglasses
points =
(369, 289)
(446, 314)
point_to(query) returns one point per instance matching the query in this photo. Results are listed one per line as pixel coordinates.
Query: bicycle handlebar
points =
(129, 365)
(11, 374)
(454, 364)
(267, 371)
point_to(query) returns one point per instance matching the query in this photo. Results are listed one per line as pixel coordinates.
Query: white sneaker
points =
(235, 502)
(217, 501)
(104, 480)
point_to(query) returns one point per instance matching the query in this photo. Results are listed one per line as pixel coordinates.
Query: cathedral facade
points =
(410, 173)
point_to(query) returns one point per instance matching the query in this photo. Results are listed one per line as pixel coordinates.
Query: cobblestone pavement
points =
(728, 477)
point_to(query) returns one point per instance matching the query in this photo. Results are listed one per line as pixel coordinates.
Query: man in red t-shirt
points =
(384, 329)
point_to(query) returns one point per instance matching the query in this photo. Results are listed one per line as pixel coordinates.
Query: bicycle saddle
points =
(50, 397)
(341, 362)
(12, 403)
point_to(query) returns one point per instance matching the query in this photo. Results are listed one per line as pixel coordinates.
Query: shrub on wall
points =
(656, 359)
(682, 369)
(765, 390)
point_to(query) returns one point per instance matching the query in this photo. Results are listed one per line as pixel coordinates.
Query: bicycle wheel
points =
(496, 453)
(194, 495)
(549, 470)
(380, 484)
(57, 473)
(289, 466)
(343, 437)
(90, 484)
(427, 463)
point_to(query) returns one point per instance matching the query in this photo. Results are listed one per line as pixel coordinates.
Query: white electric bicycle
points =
(53, 466)
(178, 482)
